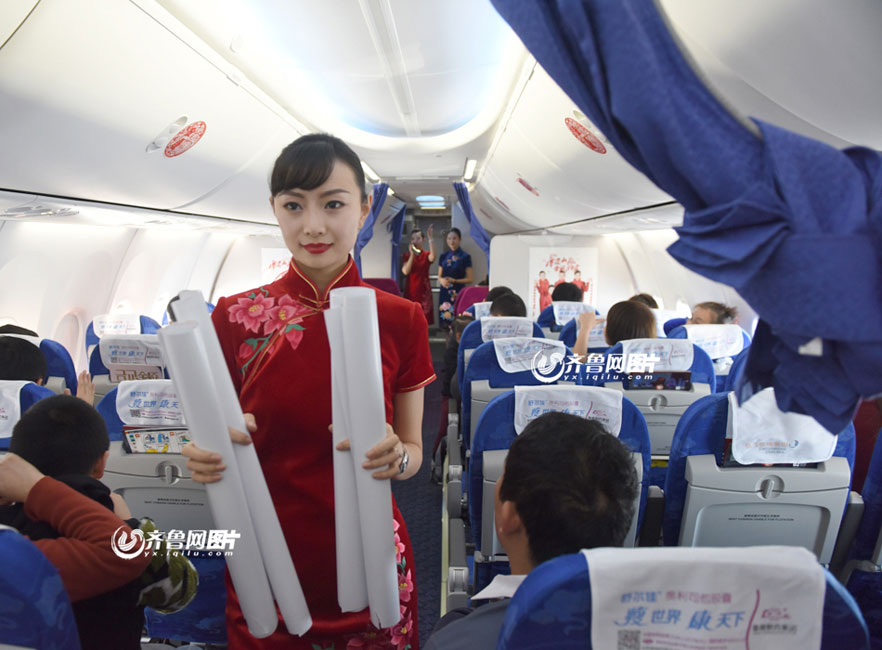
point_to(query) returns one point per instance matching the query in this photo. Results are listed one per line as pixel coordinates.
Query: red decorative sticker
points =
(485, 213)
(529, 187)
(184, 139)
(502, 203)
(583, 135)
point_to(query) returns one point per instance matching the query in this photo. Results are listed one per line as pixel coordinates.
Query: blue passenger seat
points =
(553, 608)
(16, 397)
(721, 342)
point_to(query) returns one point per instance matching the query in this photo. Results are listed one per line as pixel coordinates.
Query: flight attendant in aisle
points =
(454, 272)
(276, 347)
(415, 266)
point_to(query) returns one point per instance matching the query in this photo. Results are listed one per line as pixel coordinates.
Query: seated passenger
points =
(22, 360)
(566, 291)
(492, 295)
(508, 304)
(66, 440)
(15, 329)
(449, 386)
(712, 313)
(567, 485)
(646, 299)
(625, 320)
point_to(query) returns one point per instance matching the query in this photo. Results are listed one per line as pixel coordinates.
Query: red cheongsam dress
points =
(276, 347)
(416, 284)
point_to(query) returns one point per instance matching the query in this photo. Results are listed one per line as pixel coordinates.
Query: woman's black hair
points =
(308, 162)
(415, 231)
(457, 231)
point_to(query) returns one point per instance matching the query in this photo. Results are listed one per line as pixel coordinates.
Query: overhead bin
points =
(13, 14)
(92, 83)
(544, 173)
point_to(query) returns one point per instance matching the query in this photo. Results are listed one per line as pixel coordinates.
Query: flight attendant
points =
(415, 265)
(454, 271)
(276, 348)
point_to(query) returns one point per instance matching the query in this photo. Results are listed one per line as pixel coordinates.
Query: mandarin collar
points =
(300, 286)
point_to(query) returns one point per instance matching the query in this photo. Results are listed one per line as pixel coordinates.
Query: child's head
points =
(459, 324)
(566, 291)
(21, 360)
(62, 435)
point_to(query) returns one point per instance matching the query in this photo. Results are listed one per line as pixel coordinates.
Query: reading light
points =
(370, 173)
(469, 169)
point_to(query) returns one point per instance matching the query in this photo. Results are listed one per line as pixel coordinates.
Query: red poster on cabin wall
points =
(552, 266)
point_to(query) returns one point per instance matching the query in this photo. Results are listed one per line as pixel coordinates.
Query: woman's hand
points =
(208, 465)
(587, 320)
(85, 388)
(444, 282)
(386, 453)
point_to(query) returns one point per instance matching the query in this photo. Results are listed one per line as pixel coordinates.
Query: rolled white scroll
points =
(354, 336)
(190, 306)
(185, 358)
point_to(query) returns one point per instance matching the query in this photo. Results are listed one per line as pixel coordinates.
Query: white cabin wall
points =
(56, 277)
(509, 266)
(241, 269)
(659, 274)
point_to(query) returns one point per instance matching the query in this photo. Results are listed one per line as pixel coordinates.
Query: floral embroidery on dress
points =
(259, 309)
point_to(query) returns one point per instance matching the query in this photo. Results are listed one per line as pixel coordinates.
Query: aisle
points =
(420, 502)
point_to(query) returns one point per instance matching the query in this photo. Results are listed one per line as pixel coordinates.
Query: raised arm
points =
(429, 234)
(586, 323)
(408, 264)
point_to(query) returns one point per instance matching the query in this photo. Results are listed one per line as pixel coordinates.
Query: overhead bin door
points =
(87, 85)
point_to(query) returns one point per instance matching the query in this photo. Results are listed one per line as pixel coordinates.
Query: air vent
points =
(30, 211)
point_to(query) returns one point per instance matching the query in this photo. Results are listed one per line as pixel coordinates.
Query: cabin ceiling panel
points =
(12, 14)
(387, 68)
(93, 82)
(816, 59)
(552, 166)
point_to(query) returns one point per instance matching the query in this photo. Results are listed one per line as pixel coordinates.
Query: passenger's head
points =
(319, 200)
(460, 323)
(646, 299)
(508, 304)
(62, 435)
(416, 238)
(566, 291)
(9, 328)
(567, 485)
(454, 236)
(495, 292)
(21, 360)
(712, 313)
(629, 320)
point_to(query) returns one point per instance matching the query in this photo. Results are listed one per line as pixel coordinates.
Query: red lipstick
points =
(316, 249)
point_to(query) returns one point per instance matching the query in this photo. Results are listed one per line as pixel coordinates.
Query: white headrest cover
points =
(108, 324)
(482, 309)
(566, 310)
(149, 402)
(761, 433)
(36, 340)
(762, 597)
(596, 337)
(662, 316)
(717, 340)
(131, 350)
(590, 402)
(499, 327)
(674, 355)
(516, 354)
(10, 405)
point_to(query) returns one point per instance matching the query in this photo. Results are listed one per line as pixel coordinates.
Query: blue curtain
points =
(396, 227)
(367, 230)
(476, 230)
(794, 225)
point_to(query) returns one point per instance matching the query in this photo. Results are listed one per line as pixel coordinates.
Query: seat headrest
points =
(596, 337)
(567, 310)
(662, 316)
(687, 597)
(498, 327)
(517, 353)
(127, 357)
(673, 355)
(149, 402)
(482, 309)
(589, 402)
(10, 405)
(717, 340)
(762, 433)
